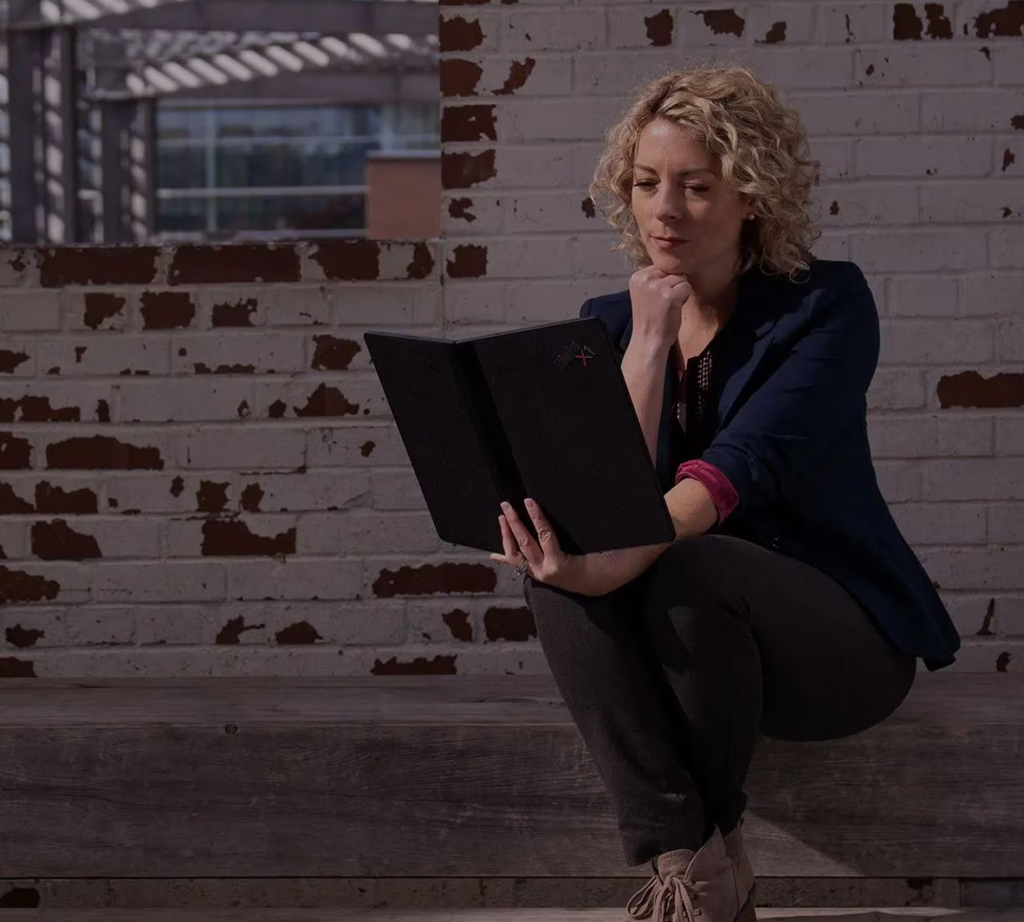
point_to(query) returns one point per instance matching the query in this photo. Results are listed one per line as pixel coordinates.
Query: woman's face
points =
(678, 192)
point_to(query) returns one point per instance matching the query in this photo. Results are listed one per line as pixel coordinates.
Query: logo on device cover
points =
(573, 351)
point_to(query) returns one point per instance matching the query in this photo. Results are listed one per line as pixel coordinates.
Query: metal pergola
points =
(83, 78)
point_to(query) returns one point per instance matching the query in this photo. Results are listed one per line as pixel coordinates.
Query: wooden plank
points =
(465, 777)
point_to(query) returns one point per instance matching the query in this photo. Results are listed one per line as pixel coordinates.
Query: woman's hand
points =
(657, 302)
(547, 562)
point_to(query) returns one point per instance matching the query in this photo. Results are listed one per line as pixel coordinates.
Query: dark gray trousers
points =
(671, 678)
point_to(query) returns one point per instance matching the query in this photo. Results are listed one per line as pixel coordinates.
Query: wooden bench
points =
(456, 777)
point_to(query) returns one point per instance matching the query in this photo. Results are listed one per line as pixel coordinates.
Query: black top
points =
(696, 397)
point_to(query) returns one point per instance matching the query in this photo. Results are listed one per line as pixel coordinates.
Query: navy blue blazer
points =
(792, 439)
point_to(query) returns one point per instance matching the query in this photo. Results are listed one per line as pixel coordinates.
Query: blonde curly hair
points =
(762, 146)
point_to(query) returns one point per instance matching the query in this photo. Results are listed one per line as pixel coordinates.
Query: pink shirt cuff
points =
(723, 494)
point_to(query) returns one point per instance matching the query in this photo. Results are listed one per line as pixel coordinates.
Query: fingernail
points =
(530, 503)
(505, 506)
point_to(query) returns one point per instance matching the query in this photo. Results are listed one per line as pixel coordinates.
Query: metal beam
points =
(67, 45)
(327, 17)
(24, 73)
(116, 138)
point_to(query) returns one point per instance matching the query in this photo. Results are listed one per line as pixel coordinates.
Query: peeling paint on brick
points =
(327, 401)
(51, 500)
(1009, 158)
(459, 624)
(56, 540)
(167, 310)
(984, 49)
(777, 33)
(211, 496)
(252, 497)
(659, 28)
(834, 208)
(19, 586)
(464, 2)
(939, 25)
(459, 34)
(100, 306)
(333, 354)
(29, 409)
(432, 578)
(12, 668)
(196, 264)
(238, 314)
(366, 449)
(588, 207)
(11, 503)
(102, 452)
(464, 169)
(232, 631)
(9, 361)
(458, 208)
(722, 21)
(96, 265)
(439, 665)
(469, 261)
(15, 452)
(906, 24)
(459, 77)
(422, 264)
(1006, 22)
(349, 260)
(468, 123)
(518, 74)
(1017, 122)
(177, 487)
(17, 636)
(244, 412)
(970, 389)
(302, 632)
(234, 539)
(201, 368)
(512, 624)
(277, 409)
(986, 625)
(103, 411)
(1002, 661)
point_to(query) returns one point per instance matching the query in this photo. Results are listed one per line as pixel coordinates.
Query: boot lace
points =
(671, 901)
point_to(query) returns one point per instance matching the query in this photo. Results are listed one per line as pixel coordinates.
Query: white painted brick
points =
(693, 30)
(924, 524)
(974, 479)
(846, 204)
(919, 250)
(877, 285)
(924, 296)
(986, 200)
(802, 68)
(379, 304)
(475, 302)
(159, 581)
(91, 625)
(302, 398)
(541, 166)
(900, 481)
(854, 23)
(164, 492)
(1006, 524)
(978, 657)
(544, 302)
(580, 119)
(104, 354)
(369, 532)
(526, 257)
(970, 616)
(1008, 61)
(14, 539)
(547, 76)
(296, 305)
(355, 446)
(992, 293)
(593, 257)
(924, 342)
(278, 354)
(975, 568)
(799, 20)
(1008, 155)
(965, 435)
(922, 156)
(969, 110)
(626, 29)
(902, 436)
(91, 400)
(295, 579)
(115, 537)
(29, 310)
(917, 64)
(1006, 247)
(181, 400)
(1009, 435)
(617, 74)
(1010, 341)
(472, 215)
(258, 447)
(397, 490)
(547, 211)
(857, 113)
(582, 28)
(897, 389)
(330, 491)
(834, 157)
(832, 245)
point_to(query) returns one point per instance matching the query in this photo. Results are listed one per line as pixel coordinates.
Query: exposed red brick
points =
(464, 2)
(1002, 661)
(177, 487)
(468, 123)
(366, 449)
(19, 586)
(197, 264)
(11, 668)
(513, 624)
(777, 33)
(244, 410)
(939, 25)
(167, 310)
(349, 260)
(459, 34)
(327, 401)
(464, 169)
(100, 306)
(232, 631)
(469, 262)
(459, 208)
(103, 411)
(722, 21)
(277, 409)
(459, 77)
(518, 74)
(433, 578)
(1017, 122)
(17, 636)
(252, 497)
(102, 452)
(15, 452)
(984, 49)
(588, 207)
(29, 409)
(302, 632)
(56, 540)
(238, 314)
(439, 665)
(97, 265)
(906, 24)
(422, 264)
(333, 353)
(659, 28)
(11, 503)
(459, 624)
(1006, 22)
(970, 389)
(201, 368)
(834, 208)
(9, 361)
(79, 352)
(51, 500)
(223, 538)
(212, 496)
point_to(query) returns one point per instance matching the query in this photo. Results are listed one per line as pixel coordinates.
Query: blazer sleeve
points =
(818, 389)
(585, 310)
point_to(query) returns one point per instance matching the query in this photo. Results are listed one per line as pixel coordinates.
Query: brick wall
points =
(197, 470)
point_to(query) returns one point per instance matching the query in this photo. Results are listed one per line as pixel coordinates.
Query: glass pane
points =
(410, 118)
(330, 163)
(296, 121)
(300, 212)
(182, 168)
(181, 214)
(180, 124)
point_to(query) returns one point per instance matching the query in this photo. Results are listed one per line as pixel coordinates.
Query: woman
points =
(789, 604)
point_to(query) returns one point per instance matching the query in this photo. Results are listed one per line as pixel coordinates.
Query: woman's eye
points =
(646, 183)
